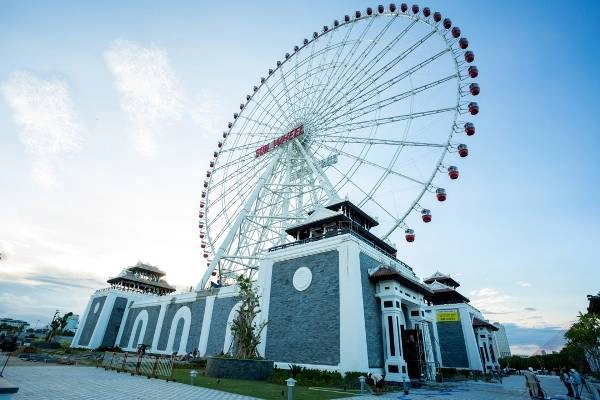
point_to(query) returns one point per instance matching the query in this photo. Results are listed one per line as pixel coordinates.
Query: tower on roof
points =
(442, 278)
(142, 278)
(335, 219)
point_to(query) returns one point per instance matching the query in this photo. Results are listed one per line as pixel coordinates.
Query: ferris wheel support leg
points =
(318, 172)
(266, 176)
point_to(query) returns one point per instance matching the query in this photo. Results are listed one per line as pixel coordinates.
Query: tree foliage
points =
(57, 325)
(585, 336)
(244, 330)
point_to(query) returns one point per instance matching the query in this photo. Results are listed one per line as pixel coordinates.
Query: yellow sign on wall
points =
(448, 316)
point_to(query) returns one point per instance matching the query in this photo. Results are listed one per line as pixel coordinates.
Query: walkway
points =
(87, 383)
(513, 388)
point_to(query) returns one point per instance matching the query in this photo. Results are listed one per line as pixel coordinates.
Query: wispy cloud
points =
(530, 309)
(523, 284)
(48, 122)
(150, 92)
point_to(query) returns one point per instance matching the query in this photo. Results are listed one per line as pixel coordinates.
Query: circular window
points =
(302, 278)
(96, 307)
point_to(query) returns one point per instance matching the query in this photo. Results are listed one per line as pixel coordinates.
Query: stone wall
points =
(452, 344)
(304, 326)
(114, 322)
(153, 312)
(218, 326)
(91, 320)
(372, 311)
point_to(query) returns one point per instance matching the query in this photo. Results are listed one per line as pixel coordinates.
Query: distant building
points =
(16, 323)
(502, 340)
(72, 323)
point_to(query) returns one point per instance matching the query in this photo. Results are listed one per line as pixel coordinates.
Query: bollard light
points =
(193, 375)
(362, 380)
(291, 382)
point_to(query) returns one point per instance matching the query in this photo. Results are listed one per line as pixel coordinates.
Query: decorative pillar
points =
(392, 319)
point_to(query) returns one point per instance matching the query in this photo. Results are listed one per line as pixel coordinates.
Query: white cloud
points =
(49, 124)
(523, 284)
(150, 92)
(524, 349)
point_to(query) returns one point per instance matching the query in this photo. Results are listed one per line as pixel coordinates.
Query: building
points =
(336, 298)
(465, 338)
(502, 340)
(14, 323)
(72, 323)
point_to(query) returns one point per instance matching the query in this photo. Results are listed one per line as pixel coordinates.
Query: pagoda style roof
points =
(479, 323)
(142, 278)
(353, 212)
(147, 268)
(383, 273)
(443, 278)
(444, 294)
(320, 215)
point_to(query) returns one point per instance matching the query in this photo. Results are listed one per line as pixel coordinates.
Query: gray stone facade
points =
(372, 311)
(197, 308)
(218, 326)
(304, 327)
(452, 344)
(91, 320)
(153, 312)
(114, 322)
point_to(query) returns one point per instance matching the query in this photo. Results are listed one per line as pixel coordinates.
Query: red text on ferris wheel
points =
(294, 133)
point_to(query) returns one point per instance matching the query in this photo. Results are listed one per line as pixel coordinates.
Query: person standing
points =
(576, 382)
(533, 385)
(566, 380)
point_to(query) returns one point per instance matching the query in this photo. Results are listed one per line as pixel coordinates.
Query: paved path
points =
(512, 388)
(87, 383)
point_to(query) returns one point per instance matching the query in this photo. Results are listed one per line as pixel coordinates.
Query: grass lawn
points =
(263, 390)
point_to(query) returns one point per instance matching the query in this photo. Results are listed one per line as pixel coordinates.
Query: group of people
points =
(570, 378)
(572, 381)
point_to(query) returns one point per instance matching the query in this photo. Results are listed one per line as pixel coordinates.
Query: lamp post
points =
(362, 380)
(291, 382)
(193, 375)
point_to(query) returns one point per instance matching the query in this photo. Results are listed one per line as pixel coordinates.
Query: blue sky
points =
(520, 230)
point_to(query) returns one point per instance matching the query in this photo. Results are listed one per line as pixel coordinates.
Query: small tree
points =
(246, 333)
(57, 325)
(585, 335)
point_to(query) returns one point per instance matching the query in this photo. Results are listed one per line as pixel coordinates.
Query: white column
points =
(75, 341)
(470, 340)
(206, 321)
(100, 330)
(265, 274)
(354, 355)
(159, 324)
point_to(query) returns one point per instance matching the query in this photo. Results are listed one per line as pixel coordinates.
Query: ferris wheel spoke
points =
(346, 64)
(259, 122)
(390, 142)
(369, 79)
(368, 66)
(386, 85)
(351, 126)
(360, 189)
(354, 113)
(240, 218)
(373, 164)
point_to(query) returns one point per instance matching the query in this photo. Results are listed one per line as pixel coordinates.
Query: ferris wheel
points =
(368, 108)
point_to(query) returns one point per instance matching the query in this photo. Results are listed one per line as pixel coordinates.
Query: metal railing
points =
(4, 356)
(152, 366)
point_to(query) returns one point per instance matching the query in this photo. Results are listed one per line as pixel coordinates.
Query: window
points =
(388, 304)
(398, 304)
(393, 368)
(414, 313)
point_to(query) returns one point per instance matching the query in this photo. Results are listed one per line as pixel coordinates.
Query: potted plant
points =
(242, 360)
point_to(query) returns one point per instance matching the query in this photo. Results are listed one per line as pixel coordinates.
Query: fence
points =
(4, 356)
(151, 366)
